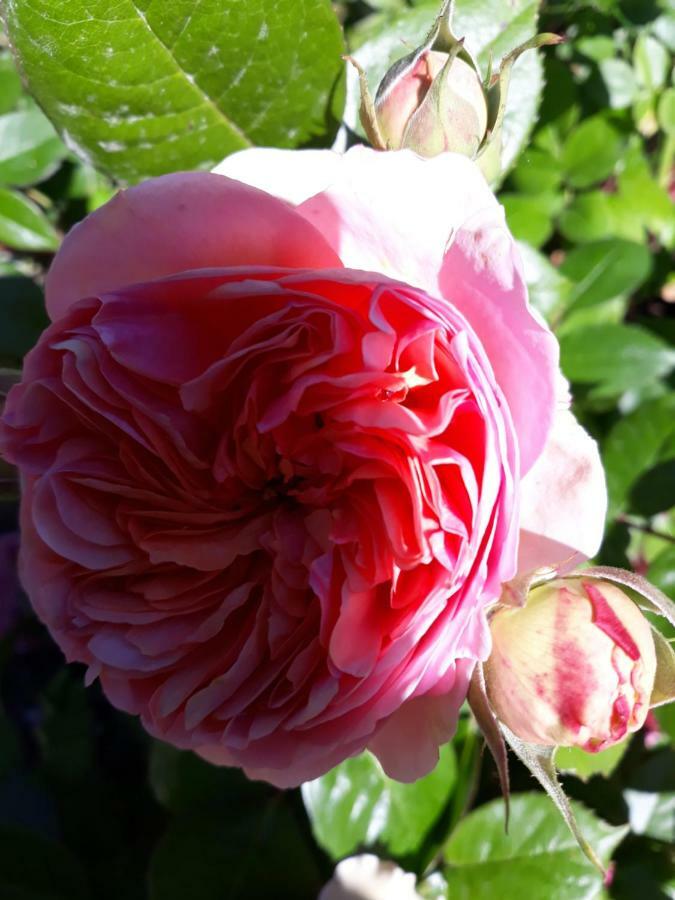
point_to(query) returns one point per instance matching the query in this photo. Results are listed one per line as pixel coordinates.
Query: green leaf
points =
(183, 782)
(531, 216)
(142, 87)
(640, 204)
(537, 170)
(587, 218)
(633, 445)
(10, 83)
(654, 491)
(256, 854)
(537, 859)
(22, 317)
(549, 290)
(650, 797)
(32, 866)
(66, 729)
(585, 765)
(661, 571)
(355, 805)
(30, 149)
(606, 269)
(619, 356)
(620, 82)
(591, 152)
(666, 111)
(651, 62)
(23, 225)
(491, 28)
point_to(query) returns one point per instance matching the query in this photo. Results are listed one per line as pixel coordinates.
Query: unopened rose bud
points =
(575, 666)
(430, 103)
(435, 99)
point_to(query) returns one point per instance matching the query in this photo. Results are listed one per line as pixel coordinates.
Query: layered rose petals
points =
(265, 506)
(289, 433)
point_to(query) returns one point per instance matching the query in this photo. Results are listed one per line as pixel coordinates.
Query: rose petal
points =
(436, 224)
(563, 500)
(408, 743)
(187, 220)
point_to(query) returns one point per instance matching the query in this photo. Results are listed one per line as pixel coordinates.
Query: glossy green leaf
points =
(32, 866)
(355, 804)
(606, 269)
(585, 765)
(10, 83)
(537, 859)
(30, 149)
(633, 445)
(142, 87)
(591, 152)
(620, 356)
(491, 28)
(23, 225)
(258, 854)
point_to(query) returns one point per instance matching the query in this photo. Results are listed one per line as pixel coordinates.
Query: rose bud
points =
(575, 666)
(435, 99)
(431, 102)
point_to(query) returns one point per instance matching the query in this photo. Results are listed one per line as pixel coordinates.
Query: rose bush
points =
(292, 426)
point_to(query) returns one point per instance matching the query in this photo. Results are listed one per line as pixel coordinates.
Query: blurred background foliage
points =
(90, 806)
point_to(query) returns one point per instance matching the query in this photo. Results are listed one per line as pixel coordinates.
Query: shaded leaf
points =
(257, 855)
(633, 445)
(22, 317)
(33, 866)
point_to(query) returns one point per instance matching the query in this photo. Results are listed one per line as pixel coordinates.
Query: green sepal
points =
(664, 682)
(540, 761)
(489, 154)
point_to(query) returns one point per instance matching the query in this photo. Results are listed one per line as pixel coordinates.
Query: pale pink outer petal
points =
(433, 223)
(563, 500)
(187, 220)
(407, 745)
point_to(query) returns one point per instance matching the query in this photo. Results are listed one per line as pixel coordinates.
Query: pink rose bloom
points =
(292, 426)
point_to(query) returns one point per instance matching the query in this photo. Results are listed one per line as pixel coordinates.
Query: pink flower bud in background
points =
(432, 102)
(575, 666)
